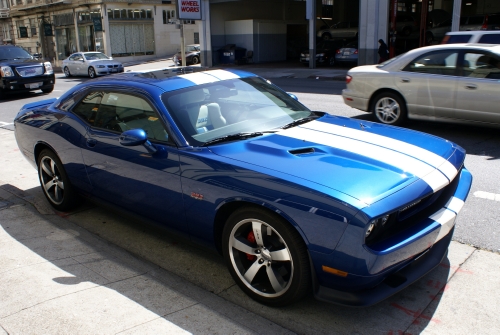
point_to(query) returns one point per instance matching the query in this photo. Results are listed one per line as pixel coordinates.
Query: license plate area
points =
(33, 85)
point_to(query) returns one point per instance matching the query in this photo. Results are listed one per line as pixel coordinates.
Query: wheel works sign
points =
(189, 9)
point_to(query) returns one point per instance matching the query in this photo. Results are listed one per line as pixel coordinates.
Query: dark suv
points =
(19, 72)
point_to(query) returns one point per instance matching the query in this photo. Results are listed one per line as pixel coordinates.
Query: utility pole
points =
(183, 46)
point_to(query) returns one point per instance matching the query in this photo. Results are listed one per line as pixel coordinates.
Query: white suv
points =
(477, 36)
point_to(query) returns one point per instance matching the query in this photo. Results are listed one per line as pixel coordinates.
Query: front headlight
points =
(48, 68)
(376, 225)
(302, 55)
(101, 66)
(6, 71)
(320, 55)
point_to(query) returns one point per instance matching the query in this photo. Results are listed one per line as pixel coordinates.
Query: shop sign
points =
(47, 29)
(189, 9)
(97, 24)
(23, 32)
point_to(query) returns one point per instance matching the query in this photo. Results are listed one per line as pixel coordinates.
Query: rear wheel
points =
(54, 182)
(266, 257)
(92, 73)
(195, 60)
(326, 37)
(389, 108)
(66, 72)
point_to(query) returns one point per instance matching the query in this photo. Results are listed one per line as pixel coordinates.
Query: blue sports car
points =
(295, 200)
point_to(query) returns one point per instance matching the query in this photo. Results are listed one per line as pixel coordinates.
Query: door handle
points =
(91, 142)
(405, 80)
(470, 86)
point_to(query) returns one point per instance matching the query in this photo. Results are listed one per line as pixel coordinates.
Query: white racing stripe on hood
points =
(199, 78)
(358, 134)
(406, 163)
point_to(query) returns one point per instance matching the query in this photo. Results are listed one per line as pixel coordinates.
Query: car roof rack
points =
(168, 72)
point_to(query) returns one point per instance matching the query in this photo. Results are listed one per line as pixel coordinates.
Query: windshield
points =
(95, 56)
(14, 53)
(246, 105)
(191, 48)
(389, 61)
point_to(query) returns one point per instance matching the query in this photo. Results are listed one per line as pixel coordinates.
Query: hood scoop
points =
(306, 151)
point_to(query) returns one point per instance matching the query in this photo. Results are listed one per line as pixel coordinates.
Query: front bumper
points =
(25, 84)
(106, 71)
(382, 272)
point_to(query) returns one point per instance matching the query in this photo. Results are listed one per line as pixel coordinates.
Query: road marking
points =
(3, 124)
(487, 195)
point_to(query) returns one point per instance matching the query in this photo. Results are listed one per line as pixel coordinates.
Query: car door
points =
(71, 64)
(79, 64)
(428, 84)
(131, 177)
(478, 87)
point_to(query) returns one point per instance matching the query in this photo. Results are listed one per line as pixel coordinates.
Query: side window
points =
(120, 112)
(481, 65)
(490, 39)
(442, 63)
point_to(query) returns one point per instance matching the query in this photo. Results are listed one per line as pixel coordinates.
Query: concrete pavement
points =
(95, 272)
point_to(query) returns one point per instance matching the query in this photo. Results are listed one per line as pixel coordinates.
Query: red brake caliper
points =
(251, 239)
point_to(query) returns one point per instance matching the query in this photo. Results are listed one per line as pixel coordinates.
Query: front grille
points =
(413, 213)
(112, 66)
(30, 71)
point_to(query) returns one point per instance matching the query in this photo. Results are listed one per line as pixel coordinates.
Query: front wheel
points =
(48, 89)
(195, 60)
(92, 73)
(389, 108)
(266, 257)
(66, 72)
(54, 181)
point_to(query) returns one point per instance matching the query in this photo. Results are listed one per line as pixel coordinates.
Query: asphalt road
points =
(476, 225)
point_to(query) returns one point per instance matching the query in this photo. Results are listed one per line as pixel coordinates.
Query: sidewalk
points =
(95, 272)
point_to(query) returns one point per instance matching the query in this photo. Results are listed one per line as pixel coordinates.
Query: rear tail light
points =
(445, 39)
(355, 52)
(485, 23)
(338, 51)
(348, 79)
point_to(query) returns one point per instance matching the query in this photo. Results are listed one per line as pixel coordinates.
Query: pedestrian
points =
(383, 51)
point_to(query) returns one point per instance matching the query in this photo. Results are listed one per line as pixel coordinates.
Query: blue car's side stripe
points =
(361, 135)
(406, 163)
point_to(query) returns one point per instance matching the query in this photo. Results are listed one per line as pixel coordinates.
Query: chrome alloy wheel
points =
(51, 180)
(260, 258)
(387, 110)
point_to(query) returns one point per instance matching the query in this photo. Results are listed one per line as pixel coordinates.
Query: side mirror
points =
(293, 96)
(135, 137)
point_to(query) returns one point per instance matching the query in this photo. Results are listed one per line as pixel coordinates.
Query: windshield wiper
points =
(300, 121)
(238, 136)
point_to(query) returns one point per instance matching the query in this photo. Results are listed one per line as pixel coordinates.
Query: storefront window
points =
(66, 42)
(131, 39)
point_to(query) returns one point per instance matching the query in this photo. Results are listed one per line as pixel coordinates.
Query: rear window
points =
(450, 39)
(490, 39)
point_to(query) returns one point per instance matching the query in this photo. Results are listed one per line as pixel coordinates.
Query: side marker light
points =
(334, 271)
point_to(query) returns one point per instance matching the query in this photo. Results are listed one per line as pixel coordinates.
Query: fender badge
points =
(197, 196)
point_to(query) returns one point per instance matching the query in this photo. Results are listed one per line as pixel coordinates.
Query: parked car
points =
(90, 64)
(295, 200)
(325, 52)
(20, 72)
(340, 30)
(192, 52)
(480, 36)
(347, 54)
(471, 29)
(456, 83)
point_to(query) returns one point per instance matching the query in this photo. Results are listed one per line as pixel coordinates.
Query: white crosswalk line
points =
(487, 195)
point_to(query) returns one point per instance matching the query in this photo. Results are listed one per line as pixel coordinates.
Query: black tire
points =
(326, 37)
(195, 60)
(66, 72)
(389, 108)
(274, 282)
(55, 182)
(48, 89)
(92, 73)
(331, 62)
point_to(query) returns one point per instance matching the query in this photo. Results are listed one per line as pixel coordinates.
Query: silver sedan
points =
(90, 64)
(457, 83)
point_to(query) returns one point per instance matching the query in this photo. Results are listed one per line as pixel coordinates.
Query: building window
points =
(131, 39)
(33, 27)
(130, 14)
(196, 38)
(22, 30)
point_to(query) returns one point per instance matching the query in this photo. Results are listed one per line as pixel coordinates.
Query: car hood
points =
(366, 161)
(21, 62)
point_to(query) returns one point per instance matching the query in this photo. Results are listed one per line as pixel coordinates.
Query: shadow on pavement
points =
(168, 276)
